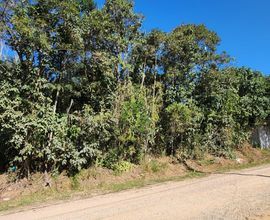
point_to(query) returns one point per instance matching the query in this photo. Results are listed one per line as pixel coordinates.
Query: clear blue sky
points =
(243, 25)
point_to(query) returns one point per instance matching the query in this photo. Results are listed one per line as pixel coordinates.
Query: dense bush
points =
(87, 87)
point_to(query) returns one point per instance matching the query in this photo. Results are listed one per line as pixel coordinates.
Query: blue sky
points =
(243, 25)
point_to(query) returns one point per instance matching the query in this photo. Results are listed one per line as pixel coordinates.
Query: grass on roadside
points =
(76, 191)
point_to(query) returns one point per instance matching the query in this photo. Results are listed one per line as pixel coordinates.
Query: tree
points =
(89, 87)
(189, 50)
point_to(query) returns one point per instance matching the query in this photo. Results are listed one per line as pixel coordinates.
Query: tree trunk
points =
(46, 176)
(1, 49)
(143, 77)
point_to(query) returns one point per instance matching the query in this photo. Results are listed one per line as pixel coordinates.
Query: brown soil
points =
(96, 179)
(239, 195)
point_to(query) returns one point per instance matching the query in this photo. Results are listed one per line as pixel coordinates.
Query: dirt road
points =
(234, 195)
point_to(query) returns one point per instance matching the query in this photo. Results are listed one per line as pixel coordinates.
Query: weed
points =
(122, 166)
(155, 166)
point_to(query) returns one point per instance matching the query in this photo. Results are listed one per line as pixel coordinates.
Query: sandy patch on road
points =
(265, 216)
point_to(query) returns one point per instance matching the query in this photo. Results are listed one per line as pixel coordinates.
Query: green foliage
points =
(182, 123)
(155, 166)
(225, 97)
(137, 115)
(87, 87)
(122, 166)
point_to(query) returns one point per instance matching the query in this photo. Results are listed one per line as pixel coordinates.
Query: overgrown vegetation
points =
(97, 180)
(87, 87)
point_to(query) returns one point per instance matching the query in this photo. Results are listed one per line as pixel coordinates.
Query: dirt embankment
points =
(93, 181)
(235, 195)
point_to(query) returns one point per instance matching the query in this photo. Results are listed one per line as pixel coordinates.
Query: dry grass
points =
(96, 180)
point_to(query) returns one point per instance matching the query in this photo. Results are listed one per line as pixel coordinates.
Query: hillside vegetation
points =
(86, 87)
